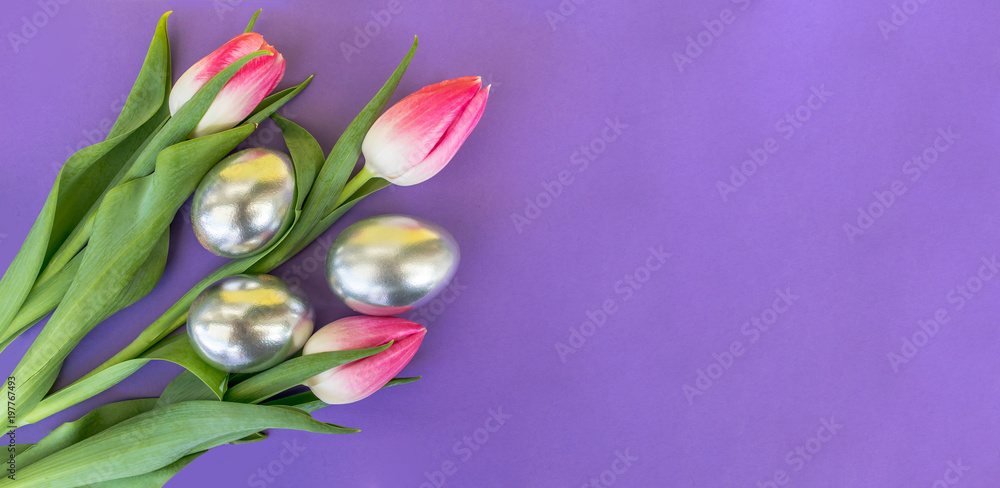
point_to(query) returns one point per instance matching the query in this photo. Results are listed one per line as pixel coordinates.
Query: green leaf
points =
(307, 156)
(250, 439)
(371, 186)
(293, 372)
(253, 21)
(21, 448)
(94, 422)
(308, 402)
(146, 277)
(152, 479)
(186, 386)
(44, 297)
(401, 381)
(131, 220)
(275, 101)
(305, 401)
(158, 438)
(47, 295)
(175, 349)
(85, 176)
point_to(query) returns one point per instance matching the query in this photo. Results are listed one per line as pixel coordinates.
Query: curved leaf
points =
(96, 421)
(308, 402)
(293, 372)
(175, 349)
(158, 438)
(275, 101)
(186, 386)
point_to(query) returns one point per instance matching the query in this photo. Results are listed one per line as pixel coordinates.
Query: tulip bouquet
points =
(100, 244)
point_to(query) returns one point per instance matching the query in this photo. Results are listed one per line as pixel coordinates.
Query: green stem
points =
(352, 186)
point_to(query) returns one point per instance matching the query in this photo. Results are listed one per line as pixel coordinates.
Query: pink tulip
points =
(242, 93)
(356, 380)
(418, 136)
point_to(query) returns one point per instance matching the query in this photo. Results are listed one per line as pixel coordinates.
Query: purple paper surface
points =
(705, 244)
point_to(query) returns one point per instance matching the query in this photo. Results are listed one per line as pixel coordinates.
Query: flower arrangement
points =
(100, 244)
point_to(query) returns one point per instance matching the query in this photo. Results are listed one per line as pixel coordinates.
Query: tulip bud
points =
(241, 94)
(418, 136)
(356, 380)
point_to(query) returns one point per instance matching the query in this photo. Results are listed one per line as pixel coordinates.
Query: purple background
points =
(639, 384)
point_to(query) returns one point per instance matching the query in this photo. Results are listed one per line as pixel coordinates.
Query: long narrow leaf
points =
(158, 438)
(307, 156)
(186, 386)
(293, 372)
(43, 299)
(96, 421)
(275, 101)
(175, 349)
(152, 479)
(308, 402)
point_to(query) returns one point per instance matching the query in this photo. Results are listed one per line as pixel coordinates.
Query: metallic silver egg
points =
(248, 323)
(243, 202)
(389, 264)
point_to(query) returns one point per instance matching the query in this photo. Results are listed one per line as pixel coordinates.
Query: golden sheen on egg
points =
(244, 202)
(249, 323)
(390, 264)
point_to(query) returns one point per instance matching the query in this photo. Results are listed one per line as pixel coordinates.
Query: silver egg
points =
(389, 264)
(248, 323)
(243, 202)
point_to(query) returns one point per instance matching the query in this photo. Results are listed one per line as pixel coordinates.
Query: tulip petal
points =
(359, 379)
(453, 139)
(240, 96)
(198, 74)
(406, 133)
